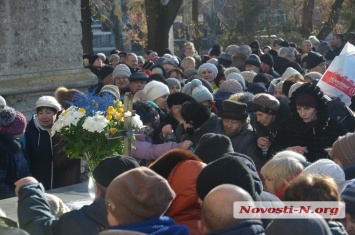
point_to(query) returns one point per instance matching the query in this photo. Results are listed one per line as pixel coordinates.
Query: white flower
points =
(127, 114)
(96, 123)
(137, 122)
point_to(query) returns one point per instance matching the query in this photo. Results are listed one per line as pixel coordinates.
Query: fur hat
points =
(112, 89)
(189, 72)
(178, 99)
(105, 71)
(238, 77)
(253, 60)
(267, 59)
(110, 167)
(122, 70)
(112, 57)
(93, 58)
(12, 122)
(228, 169)
(66, 97)
(2, 101)
(138, 76)
(195, 114)
(199, 92)
(348, 196)
(208, 66)
(266, 103)
(314, 59)
(343, 149)
(173, 82)
(248, 76)
(138, 195)
(212, 146)
(231, 86)
(327, 167)
(288, 73)
(48, 101)
(153, 90)
(233, 110)
(261, 77)
(216, 50)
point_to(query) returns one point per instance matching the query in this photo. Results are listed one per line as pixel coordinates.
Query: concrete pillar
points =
(40, 50)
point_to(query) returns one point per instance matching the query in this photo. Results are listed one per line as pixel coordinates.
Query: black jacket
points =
(248, 227)
(35, 215)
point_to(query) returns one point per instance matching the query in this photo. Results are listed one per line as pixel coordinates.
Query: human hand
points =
(167, 129)
(263, 142)
(298, 149)
(24, 181)
(186, 144)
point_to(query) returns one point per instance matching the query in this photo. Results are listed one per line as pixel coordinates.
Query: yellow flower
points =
(82, 110)
(65, 112)
(118, 116)
(113, 131)
(121, 110)
(118, 103)
(111, 110)
(109, 117)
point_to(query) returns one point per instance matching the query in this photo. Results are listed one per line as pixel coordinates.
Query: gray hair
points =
(245, 50)
(286, 51)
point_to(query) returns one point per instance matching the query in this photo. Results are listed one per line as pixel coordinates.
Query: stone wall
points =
(40, 50)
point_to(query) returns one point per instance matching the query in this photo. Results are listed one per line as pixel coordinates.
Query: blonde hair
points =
(186, 61)
(191, 45)
(280, 170)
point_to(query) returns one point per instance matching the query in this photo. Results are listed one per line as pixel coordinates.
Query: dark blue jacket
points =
(156, 226)
(248, 227)
(13, 165)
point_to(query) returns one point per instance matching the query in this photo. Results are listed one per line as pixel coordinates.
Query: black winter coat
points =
(248, 227)
(36, 217)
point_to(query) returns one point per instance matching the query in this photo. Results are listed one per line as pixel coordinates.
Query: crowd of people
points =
(247, 123)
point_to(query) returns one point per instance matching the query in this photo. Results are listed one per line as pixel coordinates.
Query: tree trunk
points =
(159, 20)
(86, 41)
(307, 16)
(332, 20)
(197, 35)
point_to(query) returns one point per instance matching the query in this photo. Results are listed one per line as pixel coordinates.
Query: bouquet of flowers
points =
(93, 130)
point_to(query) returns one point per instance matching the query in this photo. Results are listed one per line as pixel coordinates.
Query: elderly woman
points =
(157, 95)
(236, 125)
(310, 130)
(270, 113)
(208, 72)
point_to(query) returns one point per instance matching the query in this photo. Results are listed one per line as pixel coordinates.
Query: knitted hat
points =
(112, 57)
(261, 77)
(138, 76)
(173, 82)
(216, 50)
(266, 103)
(224, 56)
(348, 196)
(231, 86)
(137, 195)
(343, 149)
(12, 122)
(314, 59)
(153, 90)
(105, 71)
(157, 77)
(121, 70)
(48, 101)
(112, 89)
(226, 170)
(195, 114)
(213, 61)
(288, 73)
(238, 77)
(189, 72)
(248, 76)
(178, 99)
(267, 59)
(212, 146)
(257, 88)
(110, 167)
(67, 96)
(254, 45)
(208, 66)
(253, 60)
(233, 110)
(93, 58)
(199, 92)
(102, 56)
(2, 101)
(188, 88)
(140, 59)
(327, 167)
